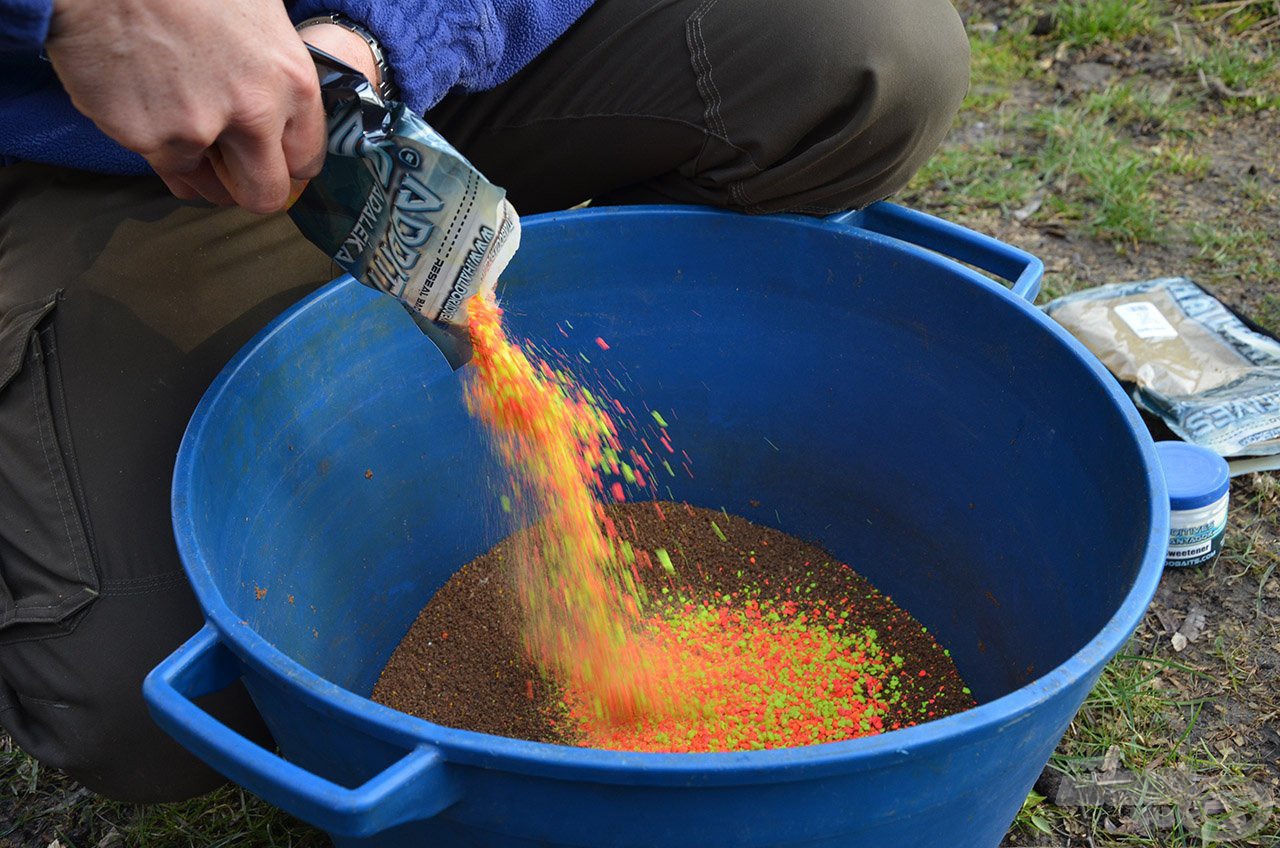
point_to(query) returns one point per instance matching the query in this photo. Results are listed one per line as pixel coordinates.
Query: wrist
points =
(59, 13)
(355, 45)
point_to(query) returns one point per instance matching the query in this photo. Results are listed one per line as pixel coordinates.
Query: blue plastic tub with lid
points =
(841, 379)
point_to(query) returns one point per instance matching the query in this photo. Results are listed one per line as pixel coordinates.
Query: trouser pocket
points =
(46, 565)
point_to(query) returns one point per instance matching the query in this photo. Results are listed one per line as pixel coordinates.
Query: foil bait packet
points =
(1191, 361)
(402, 211)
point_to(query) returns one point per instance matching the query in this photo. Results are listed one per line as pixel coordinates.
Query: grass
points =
(1073, 162)
(1234, 250)
(1238, 17)
(1098, 177)
(1269, 314)
(39, 800)
(1141, 110)
(230, 818)
(1128, 755)
(979, 176)
(1132, 712)
(996, 65)
(1249, 74)
(1240, 66)
(1085, 23)
(1081, 162)
(1097, 163)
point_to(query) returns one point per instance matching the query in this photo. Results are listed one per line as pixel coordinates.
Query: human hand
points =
(221, 99)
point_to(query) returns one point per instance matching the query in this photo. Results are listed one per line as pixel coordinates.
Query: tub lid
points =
(1195, 476)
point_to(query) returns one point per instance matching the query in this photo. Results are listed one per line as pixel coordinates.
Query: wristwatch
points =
(387, 89)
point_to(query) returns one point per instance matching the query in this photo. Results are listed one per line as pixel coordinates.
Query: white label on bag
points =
(1146, 319)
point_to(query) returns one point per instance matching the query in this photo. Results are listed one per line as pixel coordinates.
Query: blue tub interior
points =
(857, 393)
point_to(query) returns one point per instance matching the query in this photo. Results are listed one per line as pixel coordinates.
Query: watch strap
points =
(387, 89)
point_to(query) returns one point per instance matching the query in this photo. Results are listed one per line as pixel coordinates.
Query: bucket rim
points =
(465, 747)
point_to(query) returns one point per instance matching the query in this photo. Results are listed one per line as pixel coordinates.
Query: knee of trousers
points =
(843, 100)
(74, 701)
(914, 54)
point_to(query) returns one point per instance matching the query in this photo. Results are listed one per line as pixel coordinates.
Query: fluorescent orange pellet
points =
(579, 616)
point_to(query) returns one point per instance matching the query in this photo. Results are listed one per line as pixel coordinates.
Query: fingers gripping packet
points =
(1191, 361)
(402, 211)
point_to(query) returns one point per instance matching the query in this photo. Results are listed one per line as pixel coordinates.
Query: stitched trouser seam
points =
(42, 424)
(702, 68)
(147, 580)
(700, 57)
(119, 589)
(72, 466)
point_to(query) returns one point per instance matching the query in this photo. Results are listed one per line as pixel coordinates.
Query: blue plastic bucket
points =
(918, 420)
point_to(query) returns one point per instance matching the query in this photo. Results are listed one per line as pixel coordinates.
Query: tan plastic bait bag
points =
(1214, 379)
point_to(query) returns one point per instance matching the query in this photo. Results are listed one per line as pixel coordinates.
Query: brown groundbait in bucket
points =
(781, 644)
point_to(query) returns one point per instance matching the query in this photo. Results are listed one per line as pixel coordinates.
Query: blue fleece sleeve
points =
(24, 24)
(435, 46)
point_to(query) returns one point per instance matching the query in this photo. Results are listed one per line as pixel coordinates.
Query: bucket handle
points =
(412, 788)
(952, 240)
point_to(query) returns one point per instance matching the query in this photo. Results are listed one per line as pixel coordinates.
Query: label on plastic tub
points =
(1195, 535)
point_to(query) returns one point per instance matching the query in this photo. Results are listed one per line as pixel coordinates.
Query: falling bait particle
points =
(657, 416)
(719, 533)
(665, 559)
(557, 441)
(604, 345)
(506, 503)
